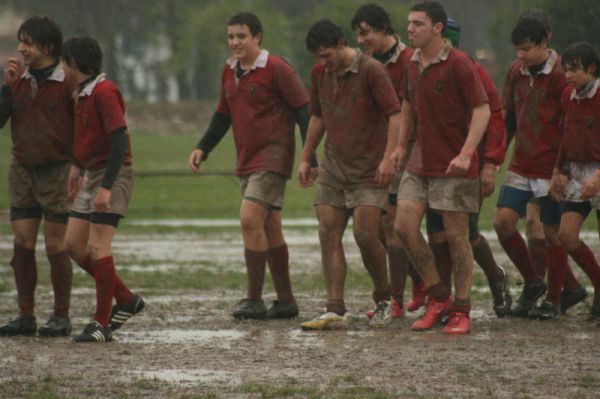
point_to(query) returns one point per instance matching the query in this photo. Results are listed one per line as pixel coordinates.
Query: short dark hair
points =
(581, 54)
(534, 13)
(83, 53)
(434, 10)
(249, 19)
(323, 33)
(528, 29)
(42, 31)
(374, 15)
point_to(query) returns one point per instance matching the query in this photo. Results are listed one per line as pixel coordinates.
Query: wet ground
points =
(186, 345)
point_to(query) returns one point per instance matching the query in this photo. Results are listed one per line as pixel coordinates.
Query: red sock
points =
(104, 274)
(122, 294)
(539, 253)
(443, 262)
(25, 271)
(278, 260)
(587, 261)
(256, 264)
(557, 268)
(517, 251)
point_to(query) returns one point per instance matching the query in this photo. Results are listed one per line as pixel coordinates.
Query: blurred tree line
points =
(170, 50)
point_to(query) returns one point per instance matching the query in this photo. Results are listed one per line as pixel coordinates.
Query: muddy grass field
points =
(186, 345)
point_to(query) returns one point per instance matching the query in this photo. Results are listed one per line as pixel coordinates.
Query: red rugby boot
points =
(432, 315)
(397, 309)
(459, 323)
(418, 297)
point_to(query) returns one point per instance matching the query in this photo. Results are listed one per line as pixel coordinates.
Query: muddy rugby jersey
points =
(41, 119)
(443, 97)
(260, 106)
(99, 111)
(354, 107)
(536, 102)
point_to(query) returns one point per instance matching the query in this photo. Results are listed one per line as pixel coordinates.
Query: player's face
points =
(578, 77)
(370, 40)
(531, 54)
(33, 55)
(243, 45)
(421, 30)
(330, 57)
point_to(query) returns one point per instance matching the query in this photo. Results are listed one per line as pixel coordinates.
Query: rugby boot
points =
(432, 315)
(253, 309)
(572, 298)
(458, 323)
(94, 332)
(528, 298)
(382, 316)
(326, 321)
(502, 297)
(595, 309)
(119, 314)
(397, 310)
(418, 297)
(544, 311)
(282, 310)
(20, 325)
(55, 327)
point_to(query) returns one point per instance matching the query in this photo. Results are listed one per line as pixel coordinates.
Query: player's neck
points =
(248, 61)
(431, 50)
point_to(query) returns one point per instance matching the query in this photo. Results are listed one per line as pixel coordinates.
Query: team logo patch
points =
(439, 86)
(590, 121)
(52, 106)
(252, 90)
(86, 120)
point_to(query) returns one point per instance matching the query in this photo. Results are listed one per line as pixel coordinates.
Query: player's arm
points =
(315, 133)
(405, 126)
(118, 148)
(302, 118)
(387, 169)
(479, 121)
(11, 74)
(218, 127)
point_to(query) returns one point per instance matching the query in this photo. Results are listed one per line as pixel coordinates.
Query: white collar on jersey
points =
(89, 88)
(259, 62)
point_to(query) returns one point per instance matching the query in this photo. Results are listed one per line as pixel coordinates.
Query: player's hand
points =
(306, 174)
(488, 180)
(557, 185)
(101, 202)
(74, 183)
(12, 68)
(195, 160)
(385, 172)
(397, 157)
(459, 165)
(591, 186)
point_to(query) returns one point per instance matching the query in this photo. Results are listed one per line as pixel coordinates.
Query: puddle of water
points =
(215, 338)
(189, 377)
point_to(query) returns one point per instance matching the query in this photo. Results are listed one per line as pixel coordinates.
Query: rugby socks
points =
(587, 261)
(517, 251)
(278, 260)
(122, 294)
(461, 306)
(25, 271)
(256, 263)
(414, 274)
(538, 251)
(439, 292)
(399, 265)
(104, 274)
(336, 306)
(482, 253)
(61, 275)
(557, 268)
(443, 262)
